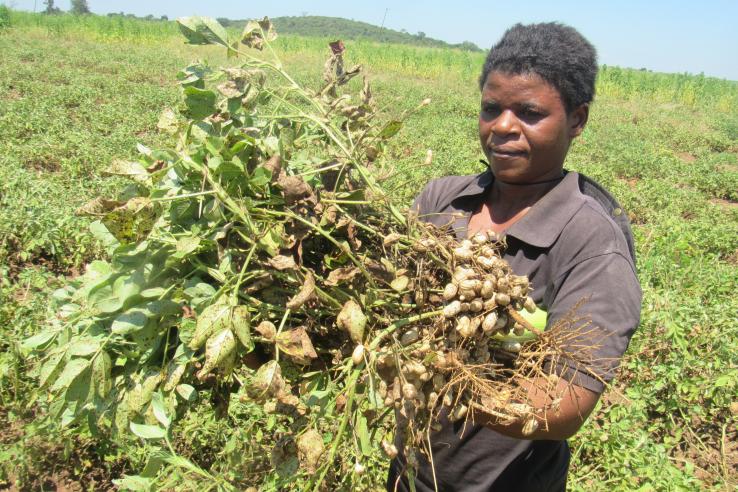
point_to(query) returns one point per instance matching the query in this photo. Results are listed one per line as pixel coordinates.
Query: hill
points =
(320, 26)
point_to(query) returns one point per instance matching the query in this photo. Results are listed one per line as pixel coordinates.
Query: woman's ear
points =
(578, 120)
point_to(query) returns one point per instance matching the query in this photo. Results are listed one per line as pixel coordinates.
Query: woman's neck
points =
(511, 198)
(507, 203)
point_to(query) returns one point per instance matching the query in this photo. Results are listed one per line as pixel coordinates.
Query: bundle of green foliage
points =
(259, 262)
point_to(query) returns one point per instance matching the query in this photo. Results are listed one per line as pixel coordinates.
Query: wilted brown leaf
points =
(341, 275)
(391, 238)
(98, 207)
(257, 32)
(283, 262)
(267, 330)
(296, 343)
(306, 293)
(337, 47)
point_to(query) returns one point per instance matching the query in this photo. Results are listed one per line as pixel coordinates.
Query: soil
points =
(733, 258)
(47, 467)
(722, 202)
(43, 165)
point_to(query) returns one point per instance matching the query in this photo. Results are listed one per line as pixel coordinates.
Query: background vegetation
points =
(76, 92)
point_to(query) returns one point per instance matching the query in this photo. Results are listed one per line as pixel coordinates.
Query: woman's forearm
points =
(553, 424)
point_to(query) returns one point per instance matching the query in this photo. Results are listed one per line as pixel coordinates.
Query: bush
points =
(4, 17)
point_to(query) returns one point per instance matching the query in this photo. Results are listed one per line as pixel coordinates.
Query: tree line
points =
(78, 7)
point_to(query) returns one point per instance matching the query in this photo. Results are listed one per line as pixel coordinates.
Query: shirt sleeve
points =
(596, 306)
(425, 202)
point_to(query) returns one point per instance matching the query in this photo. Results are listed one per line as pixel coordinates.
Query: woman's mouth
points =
(502, 153)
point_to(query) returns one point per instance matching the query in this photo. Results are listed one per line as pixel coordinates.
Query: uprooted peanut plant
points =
(260, 263)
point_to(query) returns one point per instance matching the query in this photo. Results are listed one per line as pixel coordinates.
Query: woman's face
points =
(524, 128)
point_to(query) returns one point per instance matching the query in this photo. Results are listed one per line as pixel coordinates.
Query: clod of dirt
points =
(309, 450)
(294, 189)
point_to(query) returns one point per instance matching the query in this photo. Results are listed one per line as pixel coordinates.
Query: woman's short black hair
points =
(555, 52)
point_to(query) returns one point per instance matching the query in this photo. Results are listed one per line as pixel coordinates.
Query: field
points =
(77, 93)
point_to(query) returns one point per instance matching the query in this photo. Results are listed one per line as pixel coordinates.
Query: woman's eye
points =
(491, 109)
(531, 113)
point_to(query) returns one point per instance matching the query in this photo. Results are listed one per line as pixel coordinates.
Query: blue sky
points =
(664, 36)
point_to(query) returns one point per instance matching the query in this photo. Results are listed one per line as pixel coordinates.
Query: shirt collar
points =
(545, 221)
(477, 186)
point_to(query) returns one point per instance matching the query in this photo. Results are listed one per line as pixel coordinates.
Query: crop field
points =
(77, 93)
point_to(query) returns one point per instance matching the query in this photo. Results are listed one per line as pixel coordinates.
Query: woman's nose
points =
(505, 124)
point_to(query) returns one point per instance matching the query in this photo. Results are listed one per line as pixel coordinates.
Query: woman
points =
(563, 231)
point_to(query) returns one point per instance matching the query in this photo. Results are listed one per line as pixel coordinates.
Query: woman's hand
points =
(576, 404)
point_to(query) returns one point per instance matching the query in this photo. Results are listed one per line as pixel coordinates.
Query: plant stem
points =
(351, 385)
(188, 195)
(279, 330)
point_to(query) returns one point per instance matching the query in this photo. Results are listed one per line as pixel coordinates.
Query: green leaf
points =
(79, 389)
(134, 483)
(68, 416)
(147, 431)
(159, 410)
(98, 270)
(105, 301)
(362, 431)
(133, 170)
(199, 292)
(163, 307)
(102, 234)
(390, 129)
(271, 241)
(101, 367)
(168, 122)
(154, 464)
(153, 292)
(38, 340)
(725, 380)
(187, 392)
(129, 322)
(241, 326)
(128, 286)
(51, 368)
(84, 346)
(261, 177)
(73, 369)
(186, 330)
(202, 30)
(286, 142)
(193, 75)
(186, 245)
(200, 102)
(212, 319)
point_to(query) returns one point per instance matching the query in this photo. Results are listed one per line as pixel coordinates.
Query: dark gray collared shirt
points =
(574, 244)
